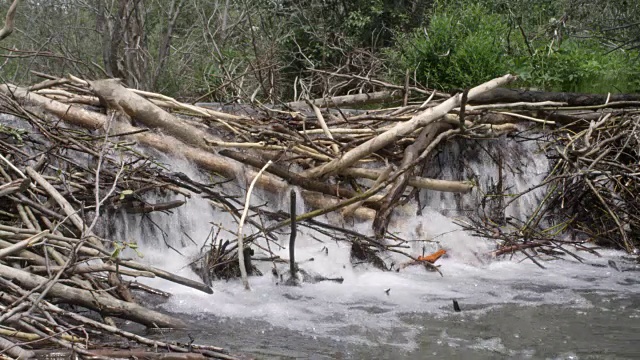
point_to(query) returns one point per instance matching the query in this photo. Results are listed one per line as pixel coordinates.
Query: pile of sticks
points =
(595, 180)
(76, 157)
(590, 193)
(57, 184)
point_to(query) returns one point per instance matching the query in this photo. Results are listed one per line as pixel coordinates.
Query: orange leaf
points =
(432, 257)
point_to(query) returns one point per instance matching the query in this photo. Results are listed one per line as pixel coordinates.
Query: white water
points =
(358, 310)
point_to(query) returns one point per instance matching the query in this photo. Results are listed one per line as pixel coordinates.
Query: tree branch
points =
(9, 21)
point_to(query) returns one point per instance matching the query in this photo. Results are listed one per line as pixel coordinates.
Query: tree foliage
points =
(230, 49)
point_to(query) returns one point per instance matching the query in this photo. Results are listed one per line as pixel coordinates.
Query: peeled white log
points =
(68, 113)
(388, 137)
(340, 101)
(117, 97)
(416, 181)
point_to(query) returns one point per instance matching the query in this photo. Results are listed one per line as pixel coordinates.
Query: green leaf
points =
(124, 193)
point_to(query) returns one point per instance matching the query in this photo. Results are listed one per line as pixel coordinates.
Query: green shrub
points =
(580, 66)
(459, 48)
(465, 45)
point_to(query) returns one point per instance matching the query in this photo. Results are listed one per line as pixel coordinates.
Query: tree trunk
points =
(502, 95)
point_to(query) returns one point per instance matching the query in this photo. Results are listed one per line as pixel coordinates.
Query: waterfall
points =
(370, 304)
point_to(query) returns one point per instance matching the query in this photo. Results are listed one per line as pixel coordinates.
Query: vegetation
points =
(465, 44)
(267, 49)
(77, 154)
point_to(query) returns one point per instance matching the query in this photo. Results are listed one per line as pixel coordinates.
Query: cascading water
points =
(377, 314)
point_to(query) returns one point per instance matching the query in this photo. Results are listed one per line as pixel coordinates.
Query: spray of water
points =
(369, 305)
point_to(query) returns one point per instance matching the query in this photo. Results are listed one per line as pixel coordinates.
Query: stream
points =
(510, 307)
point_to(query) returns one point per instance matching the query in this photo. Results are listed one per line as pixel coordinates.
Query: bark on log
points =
(89, 268)
(35, 258)
(15, 186)
(99, 302)
(314, 197)
(428, 116)
(139, 207)
(68, 113)
(17, 247)
(15, 351)
(135, 106)
(295, 179)
(218, 164)
(502, 95)
(415, 181)
(340, 101)
(117, 97)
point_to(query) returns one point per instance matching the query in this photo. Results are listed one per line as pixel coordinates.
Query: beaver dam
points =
(122, 210)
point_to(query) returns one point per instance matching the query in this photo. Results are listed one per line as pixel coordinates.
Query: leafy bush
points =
(580, 66)
(465, 45)
(457, 49)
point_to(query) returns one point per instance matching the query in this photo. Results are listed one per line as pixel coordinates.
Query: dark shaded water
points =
(604, 326)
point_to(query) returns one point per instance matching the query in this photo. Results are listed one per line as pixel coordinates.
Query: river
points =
(510, 307)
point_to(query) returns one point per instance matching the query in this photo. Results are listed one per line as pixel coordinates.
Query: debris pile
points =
(70, 156)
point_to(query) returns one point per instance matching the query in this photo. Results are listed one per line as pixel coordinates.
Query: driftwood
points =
(347, 100)
(503, 95)
(105, 304)
(126, 102)
(362, 163)
(201, 156)
(428, 116)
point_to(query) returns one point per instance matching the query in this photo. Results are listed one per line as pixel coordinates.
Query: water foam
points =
(361, 309)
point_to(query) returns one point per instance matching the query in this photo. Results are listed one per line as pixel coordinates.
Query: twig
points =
(292, 236)
(243, 269)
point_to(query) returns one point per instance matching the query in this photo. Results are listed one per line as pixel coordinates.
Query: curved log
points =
(202, 156)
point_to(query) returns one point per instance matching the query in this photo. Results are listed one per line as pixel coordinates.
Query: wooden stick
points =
(428, 116)
(292, 237)
(23, 244)
(325, 128)
(97, 301)
(14, 350)
(243, 269)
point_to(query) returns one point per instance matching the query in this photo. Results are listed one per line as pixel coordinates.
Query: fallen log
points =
(340, 101)
(117, 97)
(14, 187)
(424, 118)
(105, 305)
(68, 113)
(14, 350)
(504, 95)
(167, 144)
(415, 181)
(31, 241)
